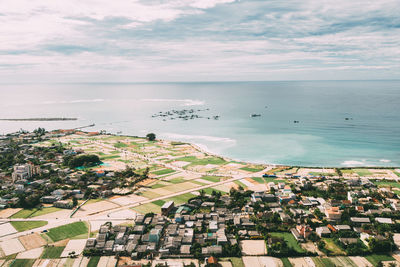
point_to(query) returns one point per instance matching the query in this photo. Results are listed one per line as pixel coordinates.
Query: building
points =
(24, 171)
(63, 204)
(333, 213)
(323, 231)
(167, 207)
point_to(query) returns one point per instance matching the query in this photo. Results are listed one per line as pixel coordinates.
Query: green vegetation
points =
(213, 179)
(320, 174)
(208, 160)
(162, 172)
(343, 261)
(177, 180)
(286, 262)
(27, 225)
(82, 161)
(67, 231)
(110, 157)
(239, 183)
(236, 262)
(210, 190)
(151, 136)
(93, 261)
(155, 186)
(249, 169)
(159, 202)
(376, 258)
(332, 247)
(274, 180)
(29, 213)
(120, 145)
(181, 198)
(22, 262)
(147, 208)
(385, 183)
(52, 252)
(362, 172)
(289, 238)
(323, 262)
(258, 180)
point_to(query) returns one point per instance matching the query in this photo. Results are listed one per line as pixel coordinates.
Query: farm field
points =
(52, 252)
(67, 231)
(376, 258)
(290, 240)
(27, 225)
(331, 246)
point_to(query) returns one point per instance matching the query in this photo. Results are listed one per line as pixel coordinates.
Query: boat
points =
(255, 115)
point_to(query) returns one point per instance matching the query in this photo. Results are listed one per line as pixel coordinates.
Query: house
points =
(154, 235)
(167, 207)
(301, 232)
(333, 213)
(384, 220)
(342, 227)
(323, 231)
(359, 220)
(63, 204)
(212, 250)
(185, 249)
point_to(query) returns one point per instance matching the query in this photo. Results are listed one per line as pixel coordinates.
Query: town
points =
(74, 198)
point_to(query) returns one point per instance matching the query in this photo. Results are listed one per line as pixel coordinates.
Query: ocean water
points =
(323, 137)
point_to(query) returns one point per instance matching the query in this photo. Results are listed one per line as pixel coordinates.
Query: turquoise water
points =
(323, 137)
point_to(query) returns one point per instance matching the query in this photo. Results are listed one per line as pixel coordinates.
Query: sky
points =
(198, 40)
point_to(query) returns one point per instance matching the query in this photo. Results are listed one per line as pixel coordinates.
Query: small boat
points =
(296, 121)
(255, 115)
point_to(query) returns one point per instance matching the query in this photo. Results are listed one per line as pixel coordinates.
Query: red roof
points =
(212, 260)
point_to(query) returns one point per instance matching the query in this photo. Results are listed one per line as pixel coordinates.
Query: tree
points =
(74, 201)
(151, 136)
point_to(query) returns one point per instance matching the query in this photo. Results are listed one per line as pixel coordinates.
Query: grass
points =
(93, 261)
(343, 261)
(120, 145)
(157, 186)
(320, 174)
(147, 208)
(109, 157)
(209, 191)
(28, 225)
(362, 172)
(286, 262)
(251, 169)
(239, 183)
(332, 247)
(289, 238)
(162, 172)
(236, 262)
(376, 258)
(52, 252)
(208, 160)
(149, 194)
(181, 198)
(159, 202)
(213, 179)
(28, 213)
(323, 262)
(386, 184)
(22, 262)
(258, 180)
(67, 231)
(177, 180)
(274, 180)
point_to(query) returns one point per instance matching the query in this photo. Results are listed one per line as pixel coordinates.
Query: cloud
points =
(156, 40)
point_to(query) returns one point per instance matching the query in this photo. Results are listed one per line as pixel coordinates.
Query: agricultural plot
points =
(12, 246)
(76, 246)
(67, 231)
(6, 229)
(362, 172)
(21, 226)
(343, 261)
(323, 262)
(213, 179)
(31, 254)
(8, 213)
(163, 172)
(333, 248)
(52, 252)
(252, 169)
(181, 198)
(202, 161)
(32, 241)
(147, 208)
(93, 261)
(288, 237)
(376, 258)
(253, 247)
(22, 263)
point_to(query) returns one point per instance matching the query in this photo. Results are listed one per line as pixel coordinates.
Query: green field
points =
(27, 225)
(159, 202)
(286, 262)
(239, 183)
(29, 213)
(213, 179)
(251, 169)
(181, 198)
(274, 180)
(332, 247)
(155, 186)
(386, 183)
(177, 180)
(52, 252)
(362, 172)
(109, 157)
(196, 161)
(162, 172)
(120, 145)
(147, 208)
(93, 261)
(323, 262)
(67, 231)
(290, 240)
(22, 263)
(376, 258)
(343, 261)
(258, 180)
(209, 191)
(236, 262)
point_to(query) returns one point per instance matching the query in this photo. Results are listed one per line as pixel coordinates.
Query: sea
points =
(301, 123)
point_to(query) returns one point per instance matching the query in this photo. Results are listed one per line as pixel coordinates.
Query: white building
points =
(24, 171)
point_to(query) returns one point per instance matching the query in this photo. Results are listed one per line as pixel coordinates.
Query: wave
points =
(200, 137)
(350, 163)
(385, 160)
(74, 101)
(184, 102)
